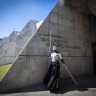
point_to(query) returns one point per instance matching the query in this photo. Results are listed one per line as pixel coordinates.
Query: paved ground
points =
(86, 87)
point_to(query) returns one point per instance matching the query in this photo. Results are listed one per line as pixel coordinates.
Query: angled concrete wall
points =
(2, 43)
(71, 34)
(16, 46)
(5, 42)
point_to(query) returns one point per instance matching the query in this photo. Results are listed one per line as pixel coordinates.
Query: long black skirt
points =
(52, 77)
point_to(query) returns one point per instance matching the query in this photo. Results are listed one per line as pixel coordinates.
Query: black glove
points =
(62, 61)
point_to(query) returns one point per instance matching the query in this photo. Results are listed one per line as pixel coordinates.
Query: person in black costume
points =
(52, 77)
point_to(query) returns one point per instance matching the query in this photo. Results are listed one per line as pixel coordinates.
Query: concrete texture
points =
(85, 6)
(71, 33)
(90, 92)
(12, 51)
(6, 41)
(87, 87)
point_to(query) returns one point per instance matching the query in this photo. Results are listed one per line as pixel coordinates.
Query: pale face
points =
(54, 47)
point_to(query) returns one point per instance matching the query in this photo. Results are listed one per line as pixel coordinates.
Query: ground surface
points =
(3, 70)
(86, 87)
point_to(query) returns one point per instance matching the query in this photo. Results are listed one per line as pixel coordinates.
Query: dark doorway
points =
(94, 56)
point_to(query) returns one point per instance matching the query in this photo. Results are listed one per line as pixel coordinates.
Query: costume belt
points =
(56, 62)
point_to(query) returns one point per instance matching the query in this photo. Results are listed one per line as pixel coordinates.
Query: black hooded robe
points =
(52, 76)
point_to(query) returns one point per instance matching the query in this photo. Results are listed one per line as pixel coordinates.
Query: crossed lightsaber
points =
(64, 64)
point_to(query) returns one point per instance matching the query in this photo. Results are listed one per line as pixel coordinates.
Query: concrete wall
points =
(71, 34)
(16, 46)
(92, 6)
(85, 6)
(93, 28)
(2, 43)
(5, 42)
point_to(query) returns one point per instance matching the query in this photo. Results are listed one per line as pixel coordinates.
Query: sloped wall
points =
(5, 42)
(71, 34)
(16, 46)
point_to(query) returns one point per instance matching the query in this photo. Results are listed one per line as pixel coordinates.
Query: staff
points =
(50, 41)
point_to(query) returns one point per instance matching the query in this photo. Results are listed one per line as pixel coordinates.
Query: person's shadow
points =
(84, 83)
